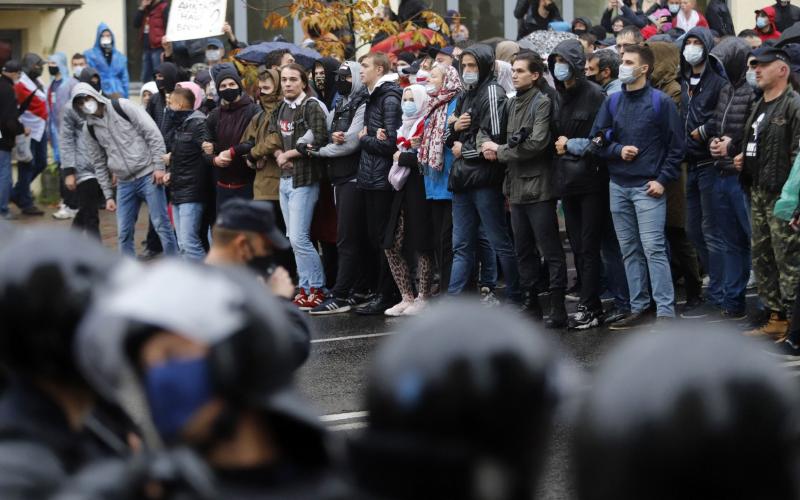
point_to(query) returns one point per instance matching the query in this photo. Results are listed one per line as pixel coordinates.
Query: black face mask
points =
(230, 95)
(262, 265)
(161, 84)
(178, 117)
(53, 70)
(344, 87)
(579, 32)
(35, 72)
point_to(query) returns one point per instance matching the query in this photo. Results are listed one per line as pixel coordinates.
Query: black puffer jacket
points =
(697, 108)
(735, 99)
(189, 173)
(486, 104)
(383, 111)
(719, 18)
(574, 116)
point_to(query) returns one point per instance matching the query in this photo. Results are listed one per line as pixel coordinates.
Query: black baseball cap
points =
(255, 216)
(770, 54)
(12, 66)
(433, 51)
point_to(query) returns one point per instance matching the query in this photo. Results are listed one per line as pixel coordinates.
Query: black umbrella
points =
(255, 54)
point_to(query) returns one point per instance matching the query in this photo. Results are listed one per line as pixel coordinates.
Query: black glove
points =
(303, 149)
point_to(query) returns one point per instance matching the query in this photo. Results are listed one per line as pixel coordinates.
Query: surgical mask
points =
(561, 72)
(53, 70)
(344, 87)
(89, 106)
(176, 390)
(261, 265)
(459, 37)
(693, 54)
(230, 95)
(105, 42)
(430, 88)
(409, 108)
(77, 70)
(674, 8)
(470, 78)
(213, 55)
(762, 22)
(751, 78)
(627, 74)
(433, 26)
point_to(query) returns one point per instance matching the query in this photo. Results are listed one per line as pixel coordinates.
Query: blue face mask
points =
(409, 108)
(175, 391)
(561, 72)
(762, 22)
(470, 78)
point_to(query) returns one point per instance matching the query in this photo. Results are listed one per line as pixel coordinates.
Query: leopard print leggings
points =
(399, 266)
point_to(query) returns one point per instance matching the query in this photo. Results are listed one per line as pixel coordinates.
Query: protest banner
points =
(191, 19)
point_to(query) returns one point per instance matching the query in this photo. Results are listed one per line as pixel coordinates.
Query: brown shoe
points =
(776, 328)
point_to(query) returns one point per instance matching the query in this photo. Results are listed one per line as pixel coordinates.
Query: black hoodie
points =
(574, 117)
(86, 77)
(486, 104)
(157, 106)
(328, 94)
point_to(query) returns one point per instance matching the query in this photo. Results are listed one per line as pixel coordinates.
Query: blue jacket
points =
(435, 180)
(659, 137)
(697, 108)
(114, 76)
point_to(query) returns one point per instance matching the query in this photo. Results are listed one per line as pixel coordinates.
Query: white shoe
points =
(417, 307)
(399, 309)
(64, 213)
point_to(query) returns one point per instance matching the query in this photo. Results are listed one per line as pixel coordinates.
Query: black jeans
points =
(535, 226)
(70, 198)
(87, 219)
(350, 219)
(442, 214)
(585, 217)
(378, 208)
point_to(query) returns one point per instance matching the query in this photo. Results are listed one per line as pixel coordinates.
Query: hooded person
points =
(91, 77)
(325, 80)
(721, 424)
(59, 76)
(166, 76)
(342, 155)
(582, 182)
(481, 113)
(199, 95)
(576, 25)
(765, 24)
(110, 63)
(206, 82)
(459, 414)
(702, 79)
(506, 50)
(228, 386)
(138, 166)
(786, 14)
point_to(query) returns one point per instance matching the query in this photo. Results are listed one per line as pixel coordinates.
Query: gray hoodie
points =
(128, 149)
(351, 141)
(73, 140)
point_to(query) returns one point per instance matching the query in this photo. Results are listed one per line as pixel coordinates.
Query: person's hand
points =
(249, 163)
(167, 178)
(451, 120)
(281, 283)
(69, 182)
(463, 122)
(457, 149)
(489, 147)
(282, 159)
(738, 162)
(208, 148)
(111, 205)
(490, 155)
(695, 134)
(362, 133)
(166, 44)
(396, 156)
(158, 177)
(795, 223)
(612, 4)
(144, 4)
(722, 147)
(27, 131)
(286, 166)
(226, 28)
(655, 189)
(337, 137)
(561, 145)
(629, 153)
(166, 158)
(381, 135)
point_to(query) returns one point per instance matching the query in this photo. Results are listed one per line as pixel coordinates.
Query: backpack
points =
(121, 112)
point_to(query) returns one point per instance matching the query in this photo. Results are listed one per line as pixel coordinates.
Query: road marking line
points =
(347, 427)
(352, 337)
(334, 417)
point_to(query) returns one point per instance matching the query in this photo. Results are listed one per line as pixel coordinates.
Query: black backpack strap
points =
(91, 132)
(26, 103)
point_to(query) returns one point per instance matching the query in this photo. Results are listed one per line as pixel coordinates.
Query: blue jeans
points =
(297, 205)
(52, 129)
(151, 60)
(614, 269)
(5, 180)
(487, 260)
(27, 172)
(188, 217)
(703, 228)
(733, 219)
(472, 209)
(130, 195)
(640, 220)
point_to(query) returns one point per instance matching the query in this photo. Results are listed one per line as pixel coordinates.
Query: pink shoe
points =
(399, 308)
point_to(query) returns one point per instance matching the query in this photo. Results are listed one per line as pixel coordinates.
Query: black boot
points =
(530, 305)
(558, 312)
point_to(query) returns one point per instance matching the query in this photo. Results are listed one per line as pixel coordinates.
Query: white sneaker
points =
(417, 307)
(399, 309)
(64, 213)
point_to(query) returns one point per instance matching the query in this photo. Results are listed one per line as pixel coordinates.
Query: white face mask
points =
(89, 106)
(105, 41)
(77, 70)
(430, 88)
(213, 55)
(433, 26)
(751, 78)
(693, 54)
(674, 8)
(470, 78)
(627, 74)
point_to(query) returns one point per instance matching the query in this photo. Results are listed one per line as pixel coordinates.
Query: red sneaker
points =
(315, 298)
(300, 299)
